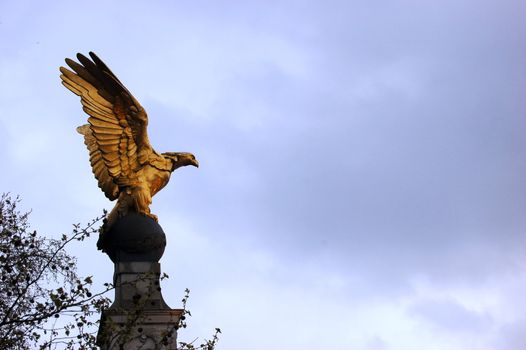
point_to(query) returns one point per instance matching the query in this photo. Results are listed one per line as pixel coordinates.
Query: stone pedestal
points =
(139, 318)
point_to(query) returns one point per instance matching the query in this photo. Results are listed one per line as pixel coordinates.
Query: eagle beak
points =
(195, 163)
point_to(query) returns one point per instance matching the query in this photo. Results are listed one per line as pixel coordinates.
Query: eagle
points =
(123, 161)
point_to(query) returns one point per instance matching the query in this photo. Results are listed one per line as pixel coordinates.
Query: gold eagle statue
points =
(123, 161)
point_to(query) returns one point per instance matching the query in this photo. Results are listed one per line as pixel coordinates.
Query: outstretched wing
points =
(117, 137)
(106, 184)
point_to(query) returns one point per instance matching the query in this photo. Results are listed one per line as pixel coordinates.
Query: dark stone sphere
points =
(133, 237)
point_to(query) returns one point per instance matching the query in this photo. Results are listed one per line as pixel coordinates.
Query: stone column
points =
(139, 318)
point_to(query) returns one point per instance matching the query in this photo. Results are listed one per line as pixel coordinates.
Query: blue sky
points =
(362, 163)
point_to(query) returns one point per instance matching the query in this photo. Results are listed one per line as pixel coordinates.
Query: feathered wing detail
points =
(116, 135)
(106, 184)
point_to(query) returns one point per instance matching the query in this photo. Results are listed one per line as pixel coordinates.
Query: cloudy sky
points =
(363, 163)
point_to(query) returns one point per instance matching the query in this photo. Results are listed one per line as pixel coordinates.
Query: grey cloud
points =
(450, 316)
(376, 343)
(391, 176)
(511, 336)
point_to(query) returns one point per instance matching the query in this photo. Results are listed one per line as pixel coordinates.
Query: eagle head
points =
(180, 159)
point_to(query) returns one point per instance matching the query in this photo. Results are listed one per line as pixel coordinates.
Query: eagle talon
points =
(151, 216)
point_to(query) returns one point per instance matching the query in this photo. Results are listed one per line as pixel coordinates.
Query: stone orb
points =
(133, 237)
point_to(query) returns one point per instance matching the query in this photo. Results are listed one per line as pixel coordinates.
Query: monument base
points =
(156, 330)
(139, 317)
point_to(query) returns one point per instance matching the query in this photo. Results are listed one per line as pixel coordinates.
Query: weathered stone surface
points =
(139, 318)
(155, 331)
